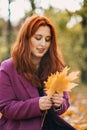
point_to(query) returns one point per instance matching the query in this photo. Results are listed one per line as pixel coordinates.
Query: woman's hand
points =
(57, 100)
(45, 103)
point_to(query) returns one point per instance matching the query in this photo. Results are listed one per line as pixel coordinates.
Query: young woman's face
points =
(40, 42)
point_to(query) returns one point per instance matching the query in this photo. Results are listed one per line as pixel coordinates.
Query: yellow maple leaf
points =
(60, 82)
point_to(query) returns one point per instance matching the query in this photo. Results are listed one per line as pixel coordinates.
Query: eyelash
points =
(47, 40)
(37, 38)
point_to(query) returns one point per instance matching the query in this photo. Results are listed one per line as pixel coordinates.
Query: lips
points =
(40, 50)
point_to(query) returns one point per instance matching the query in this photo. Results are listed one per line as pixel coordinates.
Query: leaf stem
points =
(43, 118)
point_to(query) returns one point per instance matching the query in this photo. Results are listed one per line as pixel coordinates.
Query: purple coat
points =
(19, 101)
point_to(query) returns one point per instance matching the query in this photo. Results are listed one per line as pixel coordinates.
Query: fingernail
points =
(51, 98)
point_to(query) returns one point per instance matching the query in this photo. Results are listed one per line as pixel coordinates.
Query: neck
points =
(35, 61)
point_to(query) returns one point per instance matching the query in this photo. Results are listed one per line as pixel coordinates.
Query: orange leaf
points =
(60, 82)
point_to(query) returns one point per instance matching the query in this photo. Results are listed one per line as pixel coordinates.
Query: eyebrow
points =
(41, 35)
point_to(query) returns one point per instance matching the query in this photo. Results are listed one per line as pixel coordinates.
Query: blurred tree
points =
(9, 28)
(83, 13)
(3, 45)
(33, 6)
(2, 23)
(83, 53)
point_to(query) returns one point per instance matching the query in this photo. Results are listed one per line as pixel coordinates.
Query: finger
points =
(58, 94)
(44, 103)
(46, 106)
(58, 100)
(57, 105)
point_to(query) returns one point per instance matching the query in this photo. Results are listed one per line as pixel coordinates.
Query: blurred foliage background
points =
(72, 39)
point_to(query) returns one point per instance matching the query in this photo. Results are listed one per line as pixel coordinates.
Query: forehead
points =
(43, 30)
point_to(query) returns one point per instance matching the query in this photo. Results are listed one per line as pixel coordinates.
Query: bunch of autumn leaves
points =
(60, 82)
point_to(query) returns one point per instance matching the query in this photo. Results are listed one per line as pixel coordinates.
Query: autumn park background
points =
(71, 29)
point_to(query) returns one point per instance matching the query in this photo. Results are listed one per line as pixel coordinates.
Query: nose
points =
(43, 42)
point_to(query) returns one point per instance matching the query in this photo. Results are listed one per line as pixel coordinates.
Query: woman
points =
(23, 101)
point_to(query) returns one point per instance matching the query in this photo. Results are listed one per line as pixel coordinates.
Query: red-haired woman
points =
(23, 101)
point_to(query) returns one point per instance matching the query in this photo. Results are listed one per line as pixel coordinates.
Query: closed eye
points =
(38, 38)
(48, 39)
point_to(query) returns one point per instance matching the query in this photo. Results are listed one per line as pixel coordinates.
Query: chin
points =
(40, 55)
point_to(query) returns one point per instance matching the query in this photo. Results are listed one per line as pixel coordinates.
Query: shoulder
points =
(7, 65)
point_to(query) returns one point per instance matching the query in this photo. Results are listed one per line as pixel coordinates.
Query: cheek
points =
(33, 44)
(32, 47)
(48, 45)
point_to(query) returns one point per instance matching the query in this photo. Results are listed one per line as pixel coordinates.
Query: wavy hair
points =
(50, 62)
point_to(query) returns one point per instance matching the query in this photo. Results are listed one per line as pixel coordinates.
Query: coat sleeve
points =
(65, 104)
(13, 108)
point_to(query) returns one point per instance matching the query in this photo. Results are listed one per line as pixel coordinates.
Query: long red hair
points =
(50, 62)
